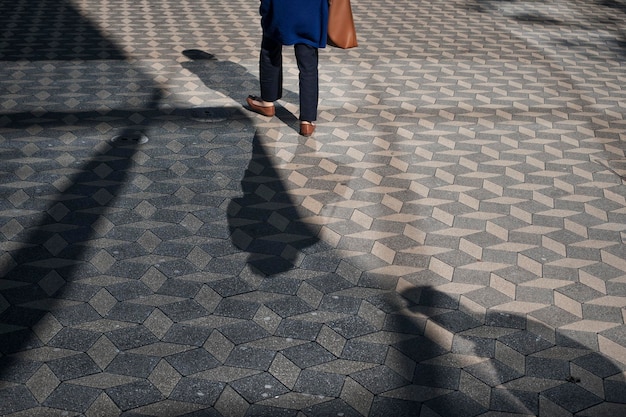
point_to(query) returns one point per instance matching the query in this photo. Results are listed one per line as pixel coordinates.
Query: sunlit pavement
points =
(450, 242)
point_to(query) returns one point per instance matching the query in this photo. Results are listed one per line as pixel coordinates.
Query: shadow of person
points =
(232, 80)
(265, 221)
(465, 364)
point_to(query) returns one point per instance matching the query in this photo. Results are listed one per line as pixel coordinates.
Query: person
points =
(304, 24)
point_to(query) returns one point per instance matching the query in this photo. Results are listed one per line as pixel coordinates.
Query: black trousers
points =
(271, 75)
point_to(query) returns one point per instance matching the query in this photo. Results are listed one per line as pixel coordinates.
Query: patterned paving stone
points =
(450, 242)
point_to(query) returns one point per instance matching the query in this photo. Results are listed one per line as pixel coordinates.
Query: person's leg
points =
(271, 70)
(270, 77)
(307, 59)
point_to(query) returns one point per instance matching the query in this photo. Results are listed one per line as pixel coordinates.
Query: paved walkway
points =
(449, 243)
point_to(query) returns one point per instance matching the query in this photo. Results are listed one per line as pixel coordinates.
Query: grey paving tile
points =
(402, 323)
(205, 412)
(378, 281)
(258, 387)
(502, 319)
(514, 401)
(571, 397)
(614, 391)
(129, 290)
(243, 332)
(230, 286)
(131, 337)
(436, 376)
(598, 364)
(140, 366)
(579, 292)
(133, 395)
(72, 397)
(18, 370)
(535, 295)
(192, 361)
(554, 316)
(388, 302)
(289, 306)
(379, 379)
(329, 283)
(419, 348)
(78, 314)
(525, 342)
(455, 404)
(251, 358)
(602, 313)
(615, 334)
(280, 285)
(456, 321)
(319, 383)
(575, 340)
(488, 297)
(198, 391)
(72, 367)
(340, 304)
(493, 372)
(129, 312)
(352, 326)
(183, 310)
(236, 308)
(321, 262)
(298, 329)
(179, 288)
(79, 292)
(355, 350)
(16, 398)
(334, 407)
(550, 368)
(187, 334)
(382, 406)
(308, 354)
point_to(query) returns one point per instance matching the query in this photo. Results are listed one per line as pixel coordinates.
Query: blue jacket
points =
(295, 21)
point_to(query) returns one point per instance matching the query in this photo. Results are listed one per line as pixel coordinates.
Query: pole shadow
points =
(47, 269)
(51, 255)
(46, 251)
(45, 30)
(461, 364)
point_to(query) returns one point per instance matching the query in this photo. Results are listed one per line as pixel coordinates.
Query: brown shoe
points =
(307, 128)
(253, 103)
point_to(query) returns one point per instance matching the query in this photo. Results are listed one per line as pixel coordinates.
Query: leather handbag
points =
(341, 30)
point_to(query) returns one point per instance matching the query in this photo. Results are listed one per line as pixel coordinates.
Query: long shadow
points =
(40, 30)
(49, 223)
(265, 221)
(43, 302)
(463, 364)
(51, 256)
